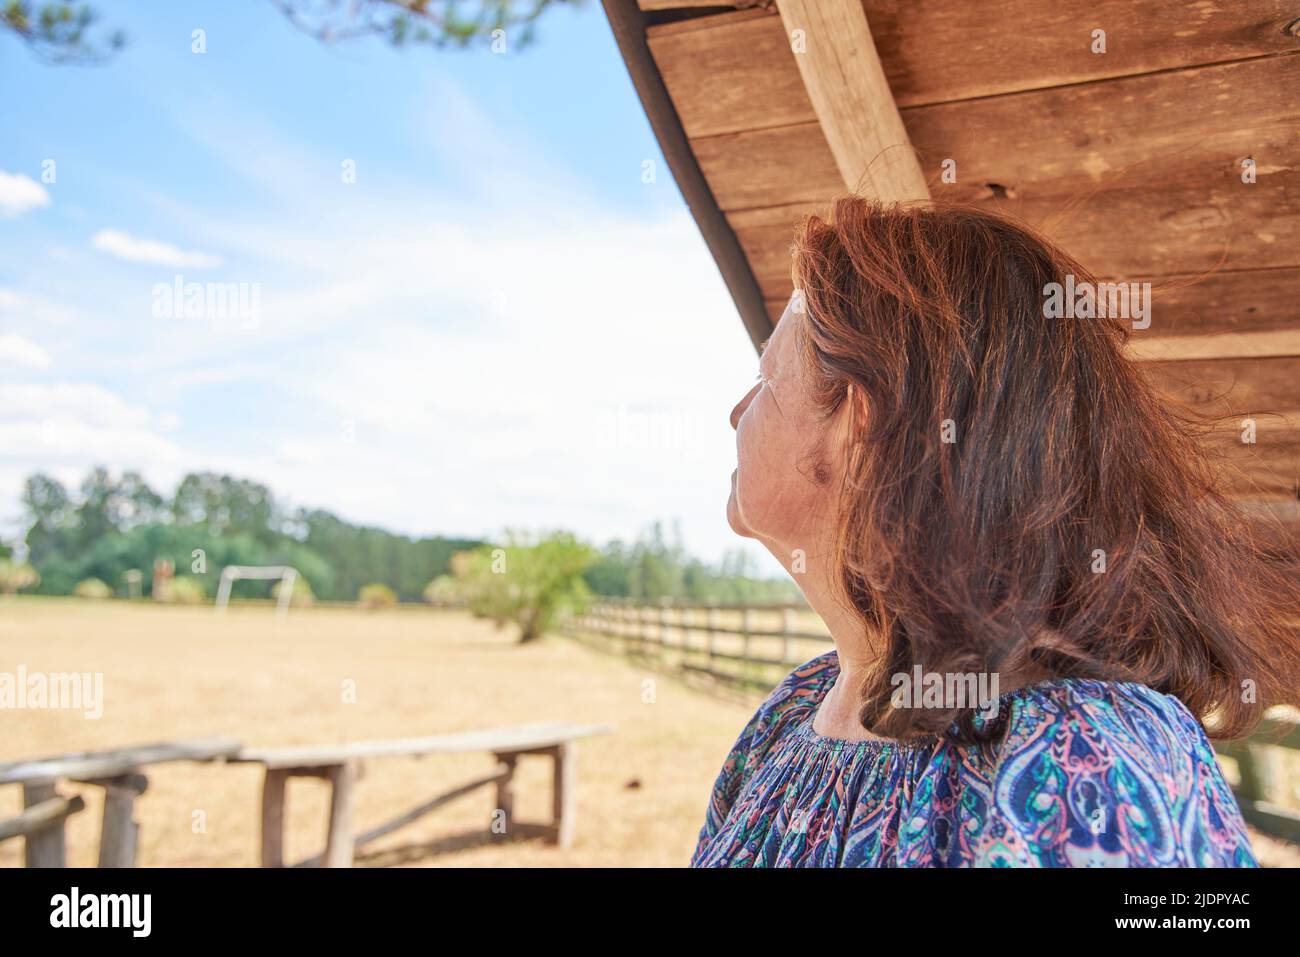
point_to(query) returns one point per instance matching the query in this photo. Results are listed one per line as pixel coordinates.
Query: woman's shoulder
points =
(798, 693)
(1093, 772)
(781, 713)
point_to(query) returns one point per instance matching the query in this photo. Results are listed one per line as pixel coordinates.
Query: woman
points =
(1034, 590)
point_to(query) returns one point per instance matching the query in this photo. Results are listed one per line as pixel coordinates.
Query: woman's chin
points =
(733, 516)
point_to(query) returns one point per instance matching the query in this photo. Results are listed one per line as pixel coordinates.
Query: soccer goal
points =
(287, 575)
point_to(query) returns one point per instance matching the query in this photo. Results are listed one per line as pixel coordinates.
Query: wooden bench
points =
(118, 772)
(340, 765)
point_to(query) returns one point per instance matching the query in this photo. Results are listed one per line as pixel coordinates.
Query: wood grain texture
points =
(938, 51)
(836, 56)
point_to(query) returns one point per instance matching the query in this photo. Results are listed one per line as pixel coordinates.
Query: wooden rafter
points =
(842, 73)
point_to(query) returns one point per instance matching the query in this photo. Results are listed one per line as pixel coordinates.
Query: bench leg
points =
(503, 817)
(564, 792)
(339, 844)
(273, 817)
(120, 834)
(46, 847)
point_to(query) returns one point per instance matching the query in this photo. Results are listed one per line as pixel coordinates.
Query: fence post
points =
(712, 633)
(746, 626)
(686, 621)
(787, 626)
(665, 618)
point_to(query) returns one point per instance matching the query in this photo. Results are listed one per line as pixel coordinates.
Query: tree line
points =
(111, 526)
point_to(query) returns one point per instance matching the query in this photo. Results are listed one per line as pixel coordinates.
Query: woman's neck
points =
(838, 713)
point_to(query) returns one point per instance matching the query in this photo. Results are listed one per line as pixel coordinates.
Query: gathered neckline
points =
(805, 733)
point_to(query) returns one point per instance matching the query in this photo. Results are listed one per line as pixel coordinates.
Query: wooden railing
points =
(753, 646)
(745, 645)
(1260, 775)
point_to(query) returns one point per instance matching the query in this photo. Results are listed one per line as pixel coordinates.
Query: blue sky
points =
(498, 323)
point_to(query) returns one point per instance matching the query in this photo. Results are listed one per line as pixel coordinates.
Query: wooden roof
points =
(1131, 160)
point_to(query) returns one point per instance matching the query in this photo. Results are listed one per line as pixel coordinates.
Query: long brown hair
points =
(1019, 499)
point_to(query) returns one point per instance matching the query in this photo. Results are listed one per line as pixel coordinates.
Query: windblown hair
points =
(1018, 498)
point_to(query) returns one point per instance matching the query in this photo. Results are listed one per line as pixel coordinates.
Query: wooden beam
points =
(119, 837)
(733, 71)
(527, 737)
(339, 844)
(273, 797)
(1225, 345)
(628, 25)
(41, 816)
(841, 71)
(111, 764)
(46, 847)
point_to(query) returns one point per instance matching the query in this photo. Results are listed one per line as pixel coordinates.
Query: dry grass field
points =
(178, 672)
(185, 672)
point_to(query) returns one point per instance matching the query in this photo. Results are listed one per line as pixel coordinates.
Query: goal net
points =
(287, 575)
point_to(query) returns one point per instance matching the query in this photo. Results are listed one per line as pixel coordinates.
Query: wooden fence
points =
(752, 647)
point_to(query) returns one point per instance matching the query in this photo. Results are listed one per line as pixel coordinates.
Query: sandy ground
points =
(177, 672)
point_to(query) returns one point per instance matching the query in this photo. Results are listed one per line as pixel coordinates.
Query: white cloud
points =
(20, 193)
(450, 362)
(22, 351)
(85, 403)
(151, 251)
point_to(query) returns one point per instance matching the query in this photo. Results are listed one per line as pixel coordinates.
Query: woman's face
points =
(782, 490)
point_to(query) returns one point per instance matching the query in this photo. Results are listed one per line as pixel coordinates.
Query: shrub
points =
(184, 591)
(92, 588)
(533, 583)
(375, 596)
(15, 576)
(443, 592)
(301, 597)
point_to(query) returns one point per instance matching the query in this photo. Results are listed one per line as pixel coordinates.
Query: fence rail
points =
(730, 644)
(745, 645)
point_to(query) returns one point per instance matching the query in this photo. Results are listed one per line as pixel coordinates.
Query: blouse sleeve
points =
(788, 700)
(1094, 774)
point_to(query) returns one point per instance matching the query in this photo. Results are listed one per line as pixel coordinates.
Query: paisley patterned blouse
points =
(1090, 774)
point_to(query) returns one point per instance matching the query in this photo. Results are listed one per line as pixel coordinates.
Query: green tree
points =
(68, 32)
(531, 583)
(49, 510)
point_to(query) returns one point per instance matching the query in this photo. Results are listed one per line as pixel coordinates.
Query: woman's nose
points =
(743, 404)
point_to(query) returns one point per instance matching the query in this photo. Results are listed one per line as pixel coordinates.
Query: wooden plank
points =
(627, 23)
(339, 844)
(564, 807)
(1163, 151)
(841, 71)
(1248, 313)
(1229, 300)
(273, 799)
(763, 168)
(109, 764)
(46, 847)
(501, 772)
(529, 737)
(503, 815)
(40, 816)
(1224, 345)
(120, 834)
(1231, 387)
(939, 51)
(414, 814)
